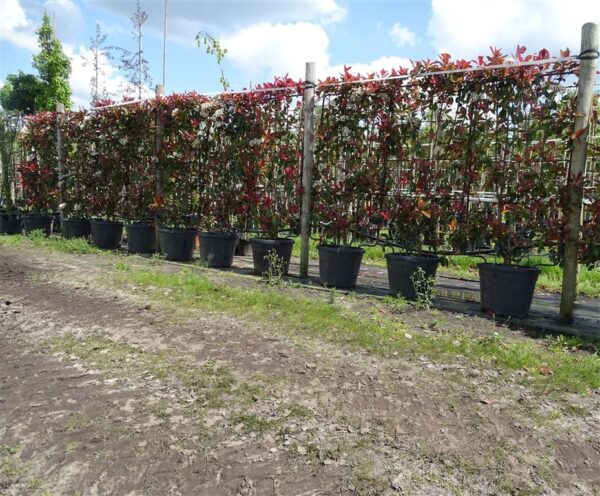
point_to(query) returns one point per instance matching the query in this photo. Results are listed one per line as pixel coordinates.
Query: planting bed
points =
(120, 374)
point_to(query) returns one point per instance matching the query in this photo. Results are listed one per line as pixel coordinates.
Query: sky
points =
(267, 38)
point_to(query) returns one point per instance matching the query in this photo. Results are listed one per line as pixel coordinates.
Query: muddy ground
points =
(105, 389)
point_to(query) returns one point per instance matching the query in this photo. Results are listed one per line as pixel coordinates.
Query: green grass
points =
(38, 240)
(303, 316)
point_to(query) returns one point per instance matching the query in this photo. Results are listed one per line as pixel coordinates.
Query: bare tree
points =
(133, 63)
(99, 50)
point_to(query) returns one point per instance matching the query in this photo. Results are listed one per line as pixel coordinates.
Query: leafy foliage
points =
(54, 68)
(19, 92)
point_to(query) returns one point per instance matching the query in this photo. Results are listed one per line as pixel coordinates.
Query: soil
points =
(105, 390)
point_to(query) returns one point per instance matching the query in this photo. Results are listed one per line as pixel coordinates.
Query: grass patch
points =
(554, 365)
(37, 239)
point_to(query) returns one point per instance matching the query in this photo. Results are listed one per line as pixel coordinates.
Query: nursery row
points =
(424, 162)
(410, 276)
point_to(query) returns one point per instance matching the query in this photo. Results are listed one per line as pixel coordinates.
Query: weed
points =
(423, 285)
(122, 266)
(275, 269)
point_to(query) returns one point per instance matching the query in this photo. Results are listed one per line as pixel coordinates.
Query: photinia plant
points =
(264, 141)
(38, 175)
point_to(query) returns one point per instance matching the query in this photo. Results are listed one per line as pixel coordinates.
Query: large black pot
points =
(37, 222)
(141, 238)
(243, 249)
(218, 249)
(56, 224)
(339, 265)
(262, 247)
(401, 268)
(177, 244)
(106, 234)
(76, 228)
(507, 290)
(10, 223)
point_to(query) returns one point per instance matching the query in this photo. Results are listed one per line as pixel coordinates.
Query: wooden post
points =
(585, 90)
(60, 154)
(307, 165)
(158, 142)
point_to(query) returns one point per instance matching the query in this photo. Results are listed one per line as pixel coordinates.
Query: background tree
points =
(133, 63)
(99, 50)
(19, 92)
(54, 68)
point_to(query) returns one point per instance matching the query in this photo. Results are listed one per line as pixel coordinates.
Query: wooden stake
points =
(60, 153)
(585, 91)
(158, 173)
(307, 165)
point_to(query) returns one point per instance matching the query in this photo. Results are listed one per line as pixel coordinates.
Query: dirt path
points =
(109, 391)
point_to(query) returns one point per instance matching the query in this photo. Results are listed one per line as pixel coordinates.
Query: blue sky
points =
(275, 37)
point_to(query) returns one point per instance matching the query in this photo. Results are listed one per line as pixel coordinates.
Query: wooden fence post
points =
(585, 90)
(60, 153)
(158, 142)
(307, 165)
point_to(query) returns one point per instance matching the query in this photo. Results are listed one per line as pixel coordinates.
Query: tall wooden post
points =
(60, 153)
(585, 90)
(307, 165)
(158, 142)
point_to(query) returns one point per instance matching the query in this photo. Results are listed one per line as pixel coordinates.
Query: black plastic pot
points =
(339, 265)
(37, 222)
(10, 223)
(507, 290)
(218, 248)
(56, 225)
(76, 228)
(262, 247)
(177, 244)
(141, 238)
(401, 268)
(106, 234)
(243, 249)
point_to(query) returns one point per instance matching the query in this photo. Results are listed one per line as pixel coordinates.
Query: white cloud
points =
(16, 27)
(466, 28)
(186, 18)
(402, 36)
(66, 18)
(373, 67)
(277, 48)
(20, 20)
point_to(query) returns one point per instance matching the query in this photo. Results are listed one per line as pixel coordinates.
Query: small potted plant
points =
(413, 224)
(271, 184)
(135, 148)
(10, 218)
(39, 185)
(219, 173)
(74, 207)
(507, 288)
(343, 188)
(178, 163)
